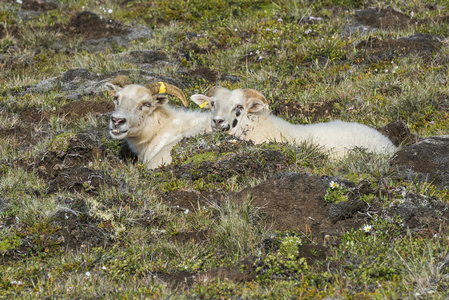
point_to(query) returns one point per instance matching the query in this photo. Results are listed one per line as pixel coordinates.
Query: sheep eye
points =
(115, 98)
(146, 104)
(212, 104)
(239, 107)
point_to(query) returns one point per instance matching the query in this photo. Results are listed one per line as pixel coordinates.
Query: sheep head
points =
(134, 104)
(230, 108)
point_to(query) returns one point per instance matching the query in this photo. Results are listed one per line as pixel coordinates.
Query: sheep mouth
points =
(116, 132)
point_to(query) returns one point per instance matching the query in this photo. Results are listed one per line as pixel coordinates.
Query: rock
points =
(427, 160)
(76, 83)
(100, 45)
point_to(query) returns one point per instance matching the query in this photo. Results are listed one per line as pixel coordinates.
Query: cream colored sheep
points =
(245, 114)
(148, 123)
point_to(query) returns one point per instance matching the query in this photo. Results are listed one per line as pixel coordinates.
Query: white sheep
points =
(245, 114)
(150, 126)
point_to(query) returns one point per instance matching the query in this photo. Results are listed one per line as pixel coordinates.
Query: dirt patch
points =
(35, 116)
(181, 280)
(189, 200)
(399, 133)
(38, 5)
(376, 49)
(78, 229)
(426, 160)
(205, 73)
(194, 236)
(295, 202)
(81, 180)
(91, 26)
(314, 111)
(64, 163)
(243, 271)
(78, 109)
(385, 18)
(22, 136)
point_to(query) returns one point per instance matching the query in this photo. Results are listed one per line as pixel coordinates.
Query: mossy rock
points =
(60, 144)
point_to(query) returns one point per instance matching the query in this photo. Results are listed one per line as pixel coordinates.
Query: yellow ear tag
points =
(162, 88)
(204, 104)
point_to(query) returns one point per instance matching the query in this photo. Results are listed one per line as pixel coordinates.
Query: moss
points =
(60, 144)
(199, 158)
(9, 243)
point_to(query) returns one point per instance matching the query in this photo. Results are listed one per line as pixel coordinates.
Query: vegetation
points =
(80, 217)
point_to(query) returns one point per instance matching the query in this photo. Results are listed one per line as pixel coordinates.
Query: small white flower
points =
(386, 71)
(103, 268)
(333, 185)
(19, 1)
(87, 274)
(110, 11)
(66, 216)
(280, 20)
(367, 228)
(308, 31)
(186, 212)
(375, 70)
(235, 29)
(365, 29)
(412, 14)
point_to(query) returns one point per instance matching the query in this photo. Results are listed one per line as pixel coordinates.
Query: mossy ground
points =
(112, 232)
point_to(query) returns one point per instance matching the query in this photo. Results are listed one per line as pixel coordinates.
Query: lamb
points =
(245, 114)
(148, 123)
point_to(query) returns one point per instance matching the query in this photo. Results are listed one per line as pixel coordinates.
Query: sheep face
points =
(133, 106)
(230, 109)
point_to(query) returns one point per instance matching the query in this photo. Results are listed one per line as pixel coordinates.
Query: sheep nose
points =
(218, 122)
(118, 121)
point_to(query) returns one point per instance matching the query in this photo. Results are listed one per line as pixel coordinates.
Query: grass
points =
(132, 239)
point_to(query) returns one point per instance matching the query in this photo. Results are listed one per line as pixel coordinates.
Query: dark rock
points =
(406, 211)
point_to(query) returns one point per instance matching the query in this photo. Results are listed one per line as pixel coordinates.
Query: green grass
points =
(271, 46)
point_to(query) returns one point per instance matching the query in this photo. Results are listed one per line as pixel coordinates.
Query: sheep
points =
(150, 126)
(245, 113)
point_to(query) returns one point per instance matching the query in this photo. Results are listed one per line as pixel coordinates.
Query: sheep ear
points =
(112, 87)
(160, 100)
(254, 105)
(202, 100)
